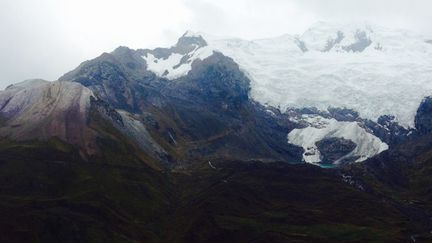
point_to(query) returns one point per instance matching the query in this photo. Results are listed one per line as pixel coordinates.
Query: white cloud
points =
(46, 38)
(249, 18)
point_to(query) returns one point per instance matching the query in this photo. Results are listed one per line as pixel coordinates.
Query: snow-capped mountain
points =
(374, 71)
(336, 94)
(371, 69)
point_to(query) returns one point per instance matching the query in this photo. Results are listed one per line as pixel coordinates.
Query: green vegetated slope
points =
(50, 194)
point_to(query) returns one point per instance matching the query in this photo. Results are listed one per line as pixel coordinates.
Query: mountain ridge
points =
(140, 82)
(336, 72)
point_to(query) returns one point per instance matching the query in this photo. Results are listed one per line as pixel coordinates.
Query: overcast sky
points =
(46, 38)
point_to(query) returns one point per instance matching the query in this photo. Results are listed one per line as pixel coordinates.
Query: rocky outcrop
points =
(423, 119)
(111, 76)
(343, 114)
(362, 41)
(215, 81)
(41, 110)
(185, 45)
(332, 42)
(389, 130)
(206, 113)
(333, 149)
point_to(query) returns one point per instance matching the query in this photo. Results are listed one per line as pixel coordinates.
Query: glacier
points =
(370, 69)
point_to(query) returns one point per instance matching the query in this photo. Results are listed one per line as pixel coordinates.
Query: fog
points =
(46, 38)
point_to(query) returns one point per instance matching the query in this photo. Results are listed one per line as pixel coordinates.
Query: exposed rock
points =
(423, 119)
(333, 149)
(106, 109)
(185, 45)
(134, 129)
(302, 45)
(362, 42)
(41, 110)
(343, 114)
(388, 129)
(332, 42)
(216, 81)
(207, 112)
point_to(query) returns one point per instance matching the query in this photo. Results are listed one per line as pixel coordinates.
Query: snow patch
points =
(211, 165)
(320, 128)
(176, 65)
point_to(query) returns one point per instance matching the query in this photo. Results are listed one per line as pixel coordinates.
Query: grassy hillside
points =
(49, 194)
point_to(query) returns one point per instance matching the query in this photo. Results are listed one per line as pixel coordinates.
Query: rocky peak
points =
(189, 42)
(186, 44)
(326, 37)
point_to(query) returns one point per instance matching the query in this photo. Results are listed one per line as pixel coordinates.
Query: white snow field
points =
(389, 77)
(370, 69)
(368, 145)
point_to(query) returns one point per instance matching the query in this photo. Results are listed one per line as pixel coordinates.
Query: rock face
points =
(39, 109)
(42, 110)
(185, 45)
(359, 42)
(423, 119)
(109, 75)
(389, 130)
(333, 149)
(215, 81)
(131, 127)
(343, 114)
(205, 114)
